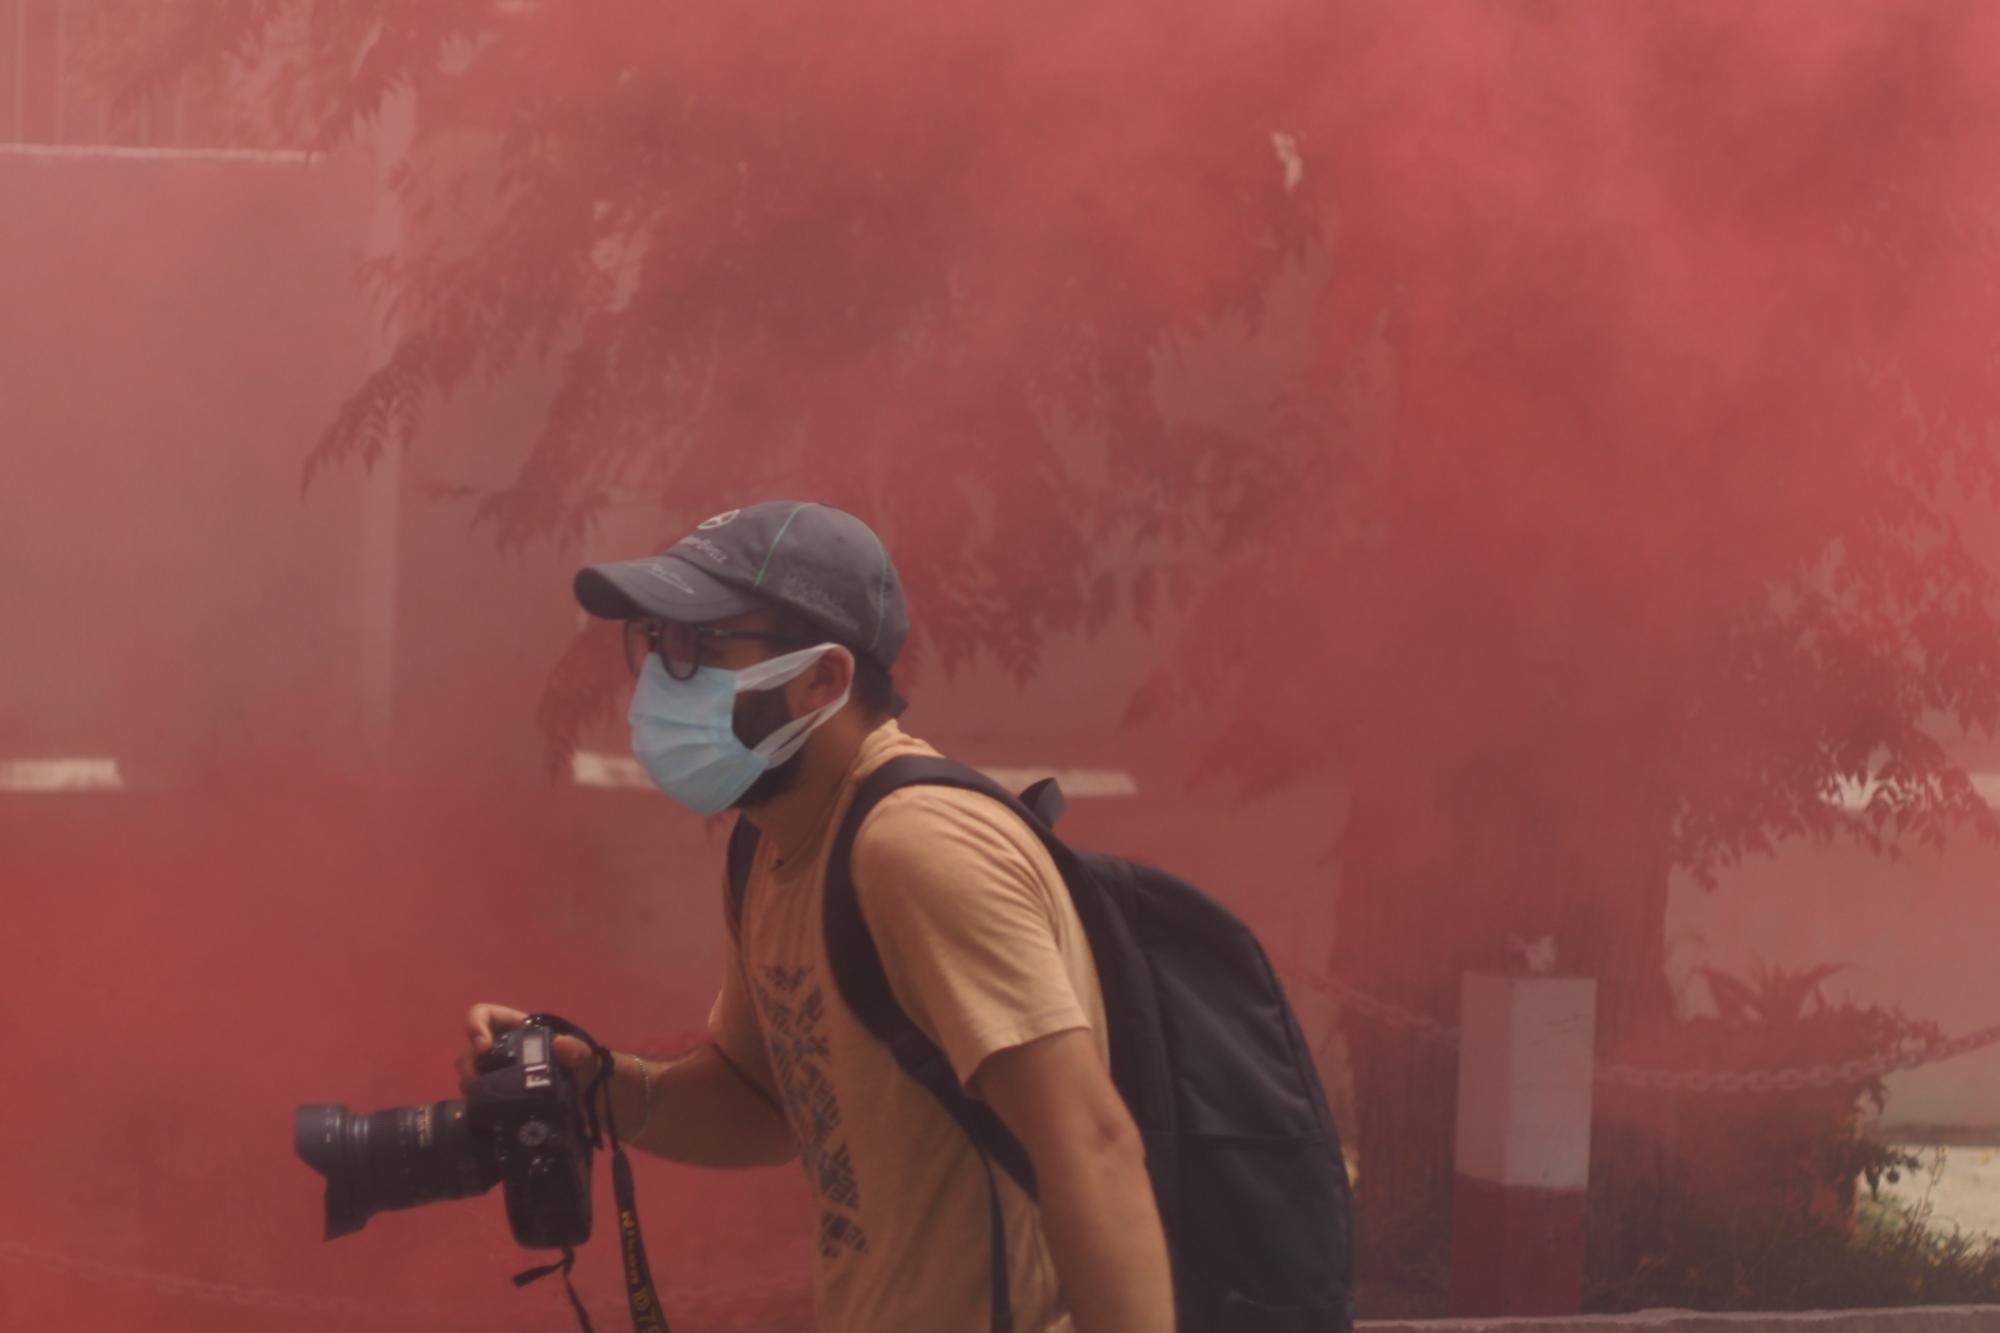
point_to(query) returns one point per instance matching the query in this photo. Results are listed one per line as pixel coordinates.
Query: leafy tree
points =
(1558, 420)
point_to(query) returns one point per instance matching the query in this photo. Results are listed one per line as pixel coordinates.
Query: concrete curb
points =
(1924, 1319)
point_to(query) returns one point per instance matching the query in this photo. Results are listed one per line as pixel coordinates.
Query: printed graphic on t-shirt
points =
(794, 1012)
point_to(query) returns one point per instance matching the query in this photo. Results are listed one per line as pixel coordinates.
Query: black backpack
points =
(1240, 1144)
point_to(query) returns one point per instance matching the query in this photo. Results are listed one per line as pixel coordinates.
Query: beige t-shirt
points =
(984, 950)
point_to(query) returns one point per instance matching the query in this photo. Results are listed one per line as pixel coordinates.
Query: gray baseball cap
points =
(819, 561)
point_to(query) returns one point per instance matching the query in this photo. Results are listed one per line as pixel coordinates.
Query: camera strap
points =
(568, 1262)
(647, 1317)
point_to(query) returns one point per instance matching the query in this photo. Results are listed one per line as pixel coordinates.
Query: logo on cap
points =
(659, 570)
(722, 519)
(702, 544)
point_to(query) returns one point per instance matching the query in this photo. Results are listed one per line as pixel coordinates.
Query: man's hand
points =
(1090, 1166)
(484, 1022)
(697, 1109)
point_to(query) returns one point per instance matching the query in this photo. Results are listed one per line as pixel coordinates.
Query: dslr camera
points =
(522, 1125)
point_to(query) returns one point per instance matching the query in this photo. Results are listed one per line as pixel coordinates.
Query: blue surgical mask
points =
(684, 735)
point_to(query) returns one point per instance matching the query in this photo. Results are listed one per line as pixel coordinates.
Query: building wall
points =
(176, 328)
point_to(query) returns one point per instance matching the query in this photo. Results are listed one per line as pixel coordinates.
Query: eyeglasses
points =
(682, 649)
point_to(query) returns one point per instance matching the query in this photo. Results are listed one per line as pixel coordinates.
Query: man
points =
(763, 644)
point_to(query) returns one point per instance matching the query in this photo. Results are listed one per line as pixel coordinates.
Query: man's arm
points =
(700, 1108)
(704, 1111)
(1103, 1225)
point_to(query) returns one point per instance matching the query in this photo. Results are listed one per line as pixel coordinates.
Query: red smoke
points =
(1443, 395)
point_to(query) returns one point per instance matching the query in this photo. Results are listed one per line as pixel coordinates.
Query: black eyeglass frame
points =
(648, 637)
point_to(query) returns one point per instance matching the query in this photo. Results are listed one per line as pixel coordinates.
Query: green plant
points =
(1741, 1258)
(1757, 1188)
(1803, 1146)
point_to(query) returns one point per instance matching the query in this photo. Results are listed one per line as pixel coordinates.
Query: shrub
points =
(1735, 1256)
(1750, 1196)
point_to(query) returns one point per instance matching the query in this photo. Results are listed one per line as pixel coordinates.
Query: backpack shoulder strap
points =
(864, 985)
(743, 840)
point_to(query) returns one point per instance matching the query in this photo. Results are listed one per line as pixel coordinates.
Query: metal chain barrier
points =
(1795, 1079)
(1392, 1016)
(685, 1299)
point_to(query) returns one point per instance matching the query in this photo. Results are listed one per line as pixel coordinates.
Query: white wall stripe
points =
(127, 153)
(587, 769)
(1076, 783)
(60, 775)
(1853, 796)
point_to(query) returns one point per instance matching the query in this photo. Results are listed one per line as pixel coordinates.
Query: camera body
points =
(531, 1112)
(521, 1125)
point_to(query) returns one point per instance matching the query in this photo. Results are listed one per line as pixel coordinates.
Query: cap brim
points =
(659, 585)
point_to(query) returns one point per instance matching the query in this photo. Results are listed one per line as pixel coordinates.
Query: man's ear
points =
(828, 679)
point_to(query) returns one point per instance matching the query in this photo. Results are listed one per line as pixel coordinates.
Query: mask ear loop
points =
(789, 739)
(778, 670)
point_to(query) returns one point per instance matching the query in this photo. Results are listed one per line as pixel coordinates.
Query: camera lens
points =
(398, 1158)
